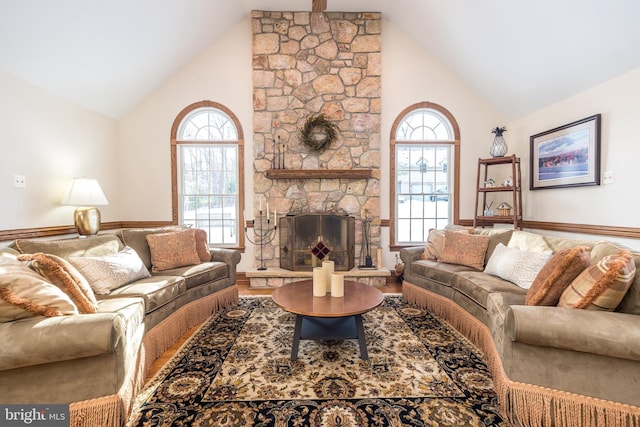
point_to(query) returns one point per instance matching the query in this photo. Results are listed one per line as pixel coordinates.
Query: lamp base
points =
(87, 221)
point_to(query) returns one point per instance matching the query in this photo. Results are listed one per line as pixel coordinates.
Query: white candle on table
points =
(337, 285)
(328, 268)
(319, 287)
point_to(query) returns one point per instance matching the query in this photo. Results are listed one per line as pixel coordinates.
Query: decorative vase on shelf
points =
(499, 146)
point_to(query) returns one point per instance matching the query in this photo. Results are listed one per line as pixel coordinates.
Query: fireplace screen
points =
(308, 239)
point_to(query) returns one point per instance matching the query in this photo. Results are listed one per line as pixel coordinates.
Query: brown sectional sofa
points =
(551, 365)
(98, 362)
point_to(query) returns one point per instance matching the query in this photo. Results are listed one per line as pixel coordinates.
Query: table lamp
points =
(86, 194)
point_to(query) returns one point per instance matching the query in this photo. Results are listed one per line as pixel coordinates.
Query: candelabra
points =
(264, 234)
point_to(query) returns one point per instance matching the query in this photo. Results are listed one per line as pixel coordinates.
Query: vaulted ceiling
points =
(519, 55)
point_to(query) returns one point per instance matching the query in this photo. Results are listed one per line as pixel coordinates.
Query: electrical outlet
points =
(19, 181)
(608, 178)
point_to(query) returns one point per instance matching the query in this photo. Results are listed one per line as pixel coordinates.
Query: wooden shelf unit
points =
(479, 219)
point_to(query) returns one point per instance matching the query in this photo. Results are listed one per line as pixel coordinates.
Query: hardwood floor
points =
(389, 288)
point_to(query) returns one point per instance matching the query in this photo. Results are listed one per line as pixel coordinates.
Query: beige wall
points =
(614, 204)
(49, 141)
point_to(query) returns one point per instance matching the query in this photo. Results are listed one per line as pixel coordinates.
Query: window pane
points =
(422, 190)
(208, 175)
(424, 124)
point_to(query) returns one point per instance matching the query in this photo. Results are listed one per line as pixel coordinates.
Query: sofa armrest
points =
(40, 340)
(408, 255)
(228, 256)
(590, 331)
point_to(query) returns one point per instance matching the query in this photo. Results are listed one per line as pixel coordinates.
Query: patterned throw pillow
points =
(464, 249)
(111, 271)
(65, 276)
(173, 250)
(515, 265)
(202, 245)
(24, 293)
(603, 285)
(557, 274)
(435, 241)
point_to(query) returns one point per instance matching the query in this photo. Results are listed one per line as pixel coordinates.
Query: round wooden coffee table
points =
(328, 317)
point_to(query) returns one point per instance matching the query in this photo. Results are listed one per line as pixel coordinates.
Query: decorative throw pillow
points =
(526, 241)
(603, 285)
(109, 272)
(464, 249)
(516, 266)
(65, 276)
(557, 274)
(433, 249)
(172, 250)
(202, 245)
(24, 293)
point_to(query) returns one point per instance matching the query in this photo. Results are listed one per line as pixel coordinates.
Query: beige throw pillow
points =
(24, 293)
(65, 276)
(515, 265)
(109, 272)
(603, 285)
(464, 249)
(173, 250)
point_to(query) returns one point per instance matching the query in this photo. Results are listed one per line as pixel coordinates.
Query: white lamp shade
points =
(84, 192)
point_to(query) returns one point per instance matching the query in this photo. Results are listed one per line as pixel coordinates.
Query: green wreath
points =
(318, 133)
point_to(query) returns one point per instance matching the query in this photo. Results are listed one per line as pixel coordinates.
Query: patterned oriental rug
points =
(236, 371)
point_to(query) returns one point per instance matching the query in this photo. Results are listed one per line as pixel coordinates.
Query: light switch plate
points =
(19, 181)
(608, 178)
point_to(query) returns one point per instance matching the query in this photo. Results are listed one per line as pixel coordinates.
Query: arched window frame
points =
(455, 142)
(174, 161)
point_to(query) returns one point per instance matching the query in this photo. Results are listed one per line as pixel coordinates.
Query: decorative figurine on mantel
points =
(499, 146)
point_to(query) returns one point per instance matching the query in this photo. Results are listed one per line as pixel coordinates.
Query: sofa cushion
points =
(477, 286)
(464, 249)
(495, 237)
(156, 291)
(24, 293)
(64, 275)
(195, 275)
(515, 265)
(109, 272)
(557, 274)
(603, 285)
(103, 244)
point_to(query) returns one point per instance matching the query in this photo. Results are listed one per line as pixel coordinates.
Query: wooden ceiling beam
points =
(318, 5)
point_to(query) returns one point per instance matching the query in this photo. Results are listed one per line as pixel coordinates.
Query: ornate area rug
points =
(236, 371)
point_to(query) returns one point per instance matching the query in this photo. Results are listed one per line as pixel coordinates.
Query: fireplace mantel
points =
(319, 173)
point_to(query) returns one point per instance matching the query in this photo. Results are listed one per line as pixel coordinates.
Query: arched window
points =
(424, 173)
(207, 151)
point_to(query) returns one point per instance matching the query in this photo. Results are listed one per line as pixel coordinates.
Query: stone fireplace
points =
(308, 239)
(305, 64)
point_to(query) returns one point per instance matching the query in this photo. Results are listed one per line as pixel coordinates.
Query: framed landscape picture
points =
(567, 156)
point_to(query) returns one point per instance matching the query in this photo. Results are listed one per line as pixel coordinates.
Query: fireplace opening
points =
(308, 239)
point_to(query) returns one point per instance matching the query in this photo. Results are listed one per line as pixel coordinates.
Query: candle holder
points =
(262, 235)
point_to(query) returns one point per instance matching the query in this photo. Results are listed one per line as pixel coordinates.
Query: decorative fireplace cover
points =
(308, 239)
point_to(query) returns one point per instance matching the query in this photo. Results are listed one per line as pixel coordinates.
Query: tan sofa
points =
(551, 365)
(98, 362)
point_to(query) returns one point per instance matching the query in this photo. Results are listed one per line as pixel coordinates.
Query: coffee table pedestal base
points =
(329, 328)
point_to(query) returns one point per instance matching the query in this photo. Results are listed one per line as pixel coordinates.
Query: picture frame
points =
(567, 156)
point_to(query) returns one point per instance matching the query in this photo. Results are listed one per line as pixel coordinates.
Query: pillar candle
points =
(337, 285)
(379, 258)
(319, 286)
(328, 268)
